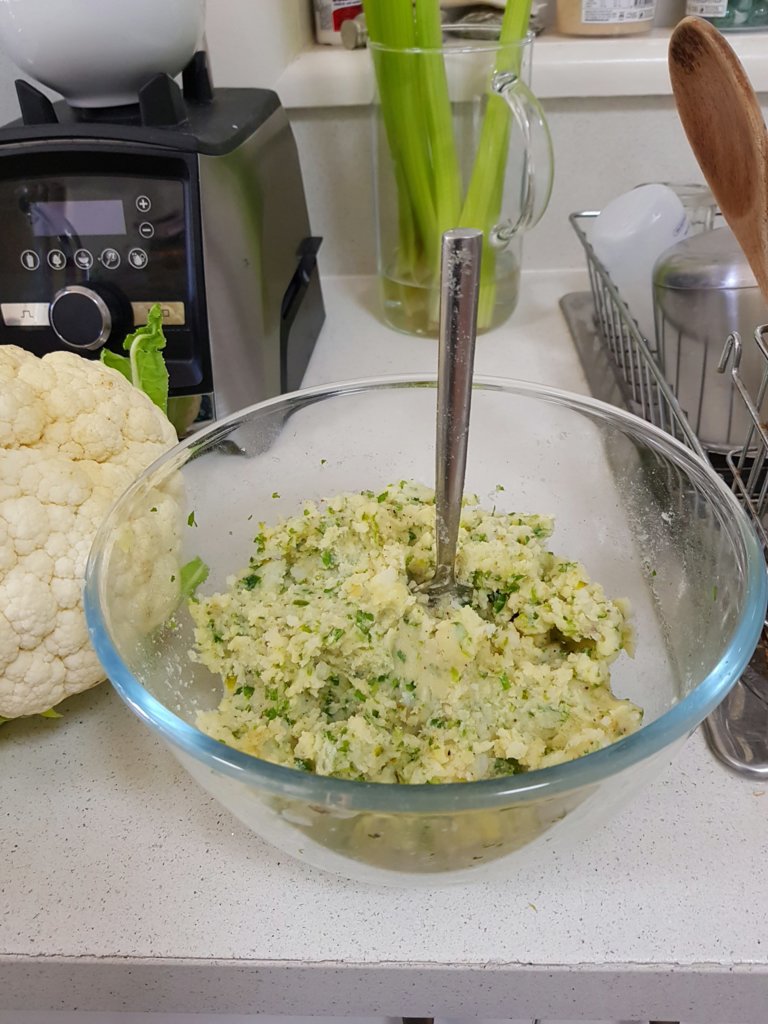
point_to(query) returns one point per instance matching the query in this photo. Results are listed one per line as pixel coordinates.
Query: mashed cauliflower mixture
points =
(334, 663)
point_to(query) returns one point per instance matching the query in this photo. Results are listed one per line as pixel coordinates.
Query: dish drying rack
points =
(624, 368)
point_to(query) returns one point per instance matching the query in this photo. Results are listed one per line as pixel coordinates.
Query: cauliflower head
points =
(73, 435)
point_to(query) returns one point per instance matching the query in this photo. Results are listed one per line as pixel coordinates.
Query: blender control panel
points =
(122, 240)
(126, 233)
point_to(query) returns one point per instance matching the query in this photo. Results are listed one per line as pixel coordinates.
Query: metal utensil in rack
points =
(624, 368)
(621, 365)
(737, 730)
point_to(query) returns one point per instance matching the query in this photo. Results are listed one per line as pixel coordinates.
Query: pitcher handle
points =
(537, 180)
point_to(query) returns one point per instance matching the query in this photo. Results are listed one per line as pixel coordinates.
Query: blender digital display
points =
(78, 217)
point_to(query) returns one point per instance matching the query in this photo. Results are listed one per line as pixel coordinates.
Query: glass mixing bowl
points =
(649, 520)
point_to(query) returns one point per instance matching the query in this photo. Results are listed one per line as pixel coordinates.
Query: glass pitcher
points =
(459, 141)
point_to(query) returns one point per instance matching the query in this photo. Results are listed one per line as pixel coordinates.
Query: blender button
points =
(56, 259)
(146, 230)
(110, 259)
(173, 313)
(24, 314)
(83, 259)
(30, 260)
(138, 259)
(144, 204)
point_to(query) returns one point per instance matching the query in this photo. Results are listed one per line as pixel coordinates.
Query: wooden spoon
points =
(725, 128)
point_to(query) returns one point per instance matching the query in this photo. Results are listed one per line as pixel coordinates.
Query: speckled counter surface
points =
(125, 887)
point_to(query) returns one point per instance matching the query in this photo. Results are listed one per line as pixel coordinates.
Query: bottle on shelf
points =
(330, 15)
(605, 17)
(731, 15)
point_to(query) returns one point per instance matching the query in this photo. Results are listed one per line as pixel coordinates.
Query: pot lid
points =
(710, 260)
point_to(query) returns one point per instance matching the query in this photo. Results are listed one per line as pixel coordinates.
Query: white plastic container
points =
(330, 15)
(628, 237)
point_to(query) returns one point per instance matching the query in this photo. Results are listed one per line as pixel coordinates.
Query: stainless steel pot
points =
(703, 289)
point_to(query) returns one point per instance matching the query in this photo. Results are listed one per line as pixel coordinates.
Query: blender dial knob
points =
(81, 317)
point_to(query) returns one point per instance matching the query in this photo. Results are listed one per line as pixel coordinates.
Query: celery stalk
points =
(404, 115)
(517, 16)
(482, 205)
(407, 249)
(439, 123)
(434, 91)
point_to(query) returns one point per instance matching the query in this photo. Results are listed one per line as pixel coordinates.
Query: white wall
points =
(251, 41)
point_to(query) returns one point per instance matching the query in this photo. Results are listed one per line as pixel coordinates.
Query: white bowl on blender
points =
(97, 53)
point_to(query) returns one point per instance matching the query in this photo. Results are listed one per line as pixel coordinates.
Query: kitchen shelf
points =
(564, 67)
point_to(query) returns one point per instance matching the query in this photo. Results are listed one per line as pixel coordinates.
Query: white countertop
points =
(125, 887)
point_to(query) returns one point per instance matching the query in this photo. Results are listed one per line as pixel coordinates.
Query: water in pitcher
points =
(413, 308)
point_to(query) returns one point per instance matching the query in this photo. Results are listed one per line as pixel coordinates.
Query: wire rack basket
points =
(738, 730)
(748, 465)
(645, 390)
